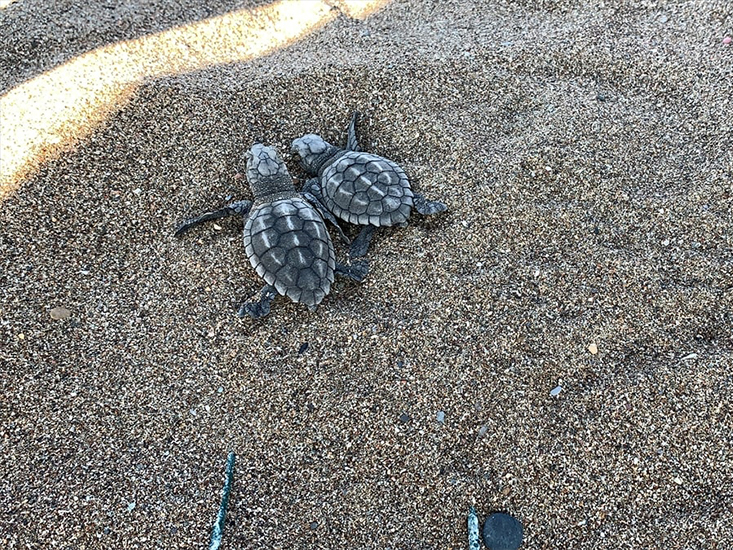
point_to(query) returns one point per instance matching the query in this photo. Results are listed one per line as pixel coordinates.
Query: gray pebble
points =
(58, 313)
(502, 532)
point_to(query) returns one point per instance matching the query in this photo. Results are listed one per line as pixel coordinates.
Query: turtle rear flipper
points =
(426, 207)
(357, 271)
(360, 245)
(261, 307)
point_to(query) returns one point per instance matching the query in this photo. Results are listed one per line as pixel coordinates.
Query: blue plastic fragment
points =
(474, 542)
(218, 531)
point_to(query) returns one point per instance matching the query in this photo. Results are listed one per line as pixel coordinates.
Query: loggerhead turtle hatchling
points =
(285, 237)
(358, 187)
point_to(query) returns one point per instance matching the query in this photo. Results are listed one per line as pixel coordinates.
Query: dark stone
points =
(314, 525)
(502, 532)
(404, 418)
(303, 348)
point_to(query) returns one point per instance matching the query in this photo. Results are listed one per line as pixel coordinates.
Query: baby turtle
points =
(285, 237)
(360, 188)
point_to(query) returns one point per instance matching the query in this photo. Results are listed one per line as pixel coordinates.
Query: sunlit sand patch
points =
(49, 114)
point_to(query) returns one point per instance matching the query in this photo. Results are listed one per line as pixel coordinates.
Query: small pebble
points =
(440, 417)
(502, 532)
(131, 506)
(314, 525)
(303, 348)
(727, 40)
(59, 313)
(404, 418)
(593, 349)
(556, 391)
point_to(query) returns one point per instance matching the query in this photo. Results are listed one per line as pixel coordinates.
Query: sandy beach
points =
(570, 315)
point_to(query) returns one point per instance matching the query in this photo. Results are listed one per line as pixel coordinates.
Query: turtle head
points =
(314, 151)
(266, 172)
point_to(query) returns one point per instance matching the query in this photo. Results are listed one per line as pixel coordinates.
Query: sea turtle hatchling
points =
(358, 187)
(285, 237)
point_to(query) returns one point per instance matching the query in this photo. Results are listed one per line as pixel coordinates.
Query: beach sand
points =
(584, 152)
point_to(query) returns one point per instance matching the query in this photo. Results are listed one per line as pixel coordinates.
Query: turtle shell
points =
(365, 189)
(288, 245)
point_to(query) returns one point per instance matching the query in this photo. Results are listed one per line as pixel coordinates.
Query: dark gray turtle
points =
(360, 188)
(285, 237)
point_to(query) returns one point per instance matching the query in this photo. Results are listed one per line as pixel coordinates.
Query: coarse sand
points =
(584, 150)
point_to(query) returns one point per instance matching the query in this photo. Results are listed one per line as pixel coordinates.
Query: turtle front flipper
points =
(357, 271)
(260, 308)
(426, 207)
(352, 144)
(239, 208)
(311, 185)
(360, 245)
